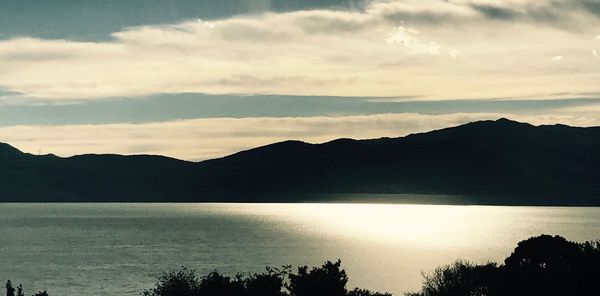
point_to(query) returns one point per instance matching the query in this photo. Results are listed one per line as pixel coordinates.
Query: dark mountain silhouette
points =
(486, 162)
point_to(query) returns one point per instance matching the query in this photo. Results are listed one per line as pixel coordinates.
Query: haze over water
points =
(119, 249)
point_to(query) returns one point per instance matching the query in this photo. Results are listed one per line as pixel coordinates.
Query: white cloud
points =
(595, 54)
(558, 58)
(207, 24)
(320, 52)
(597, 37)
(455, 53)
(407, 38)
(209, 138)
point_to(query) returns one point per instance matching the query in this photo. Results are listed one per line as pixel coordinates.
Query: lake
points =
(119, 249)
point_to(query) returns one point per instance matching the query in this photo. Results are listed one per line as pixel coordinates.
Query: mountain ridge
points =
(488, 162)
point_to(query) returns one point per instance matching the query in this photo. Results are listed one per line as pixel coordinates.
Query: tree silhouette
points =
(458, 279)
(215, 284)
(180, 283)
(10, 291)
(328, 280)
(543, 265)
(552, 265)
(363, 292)
(269, 283)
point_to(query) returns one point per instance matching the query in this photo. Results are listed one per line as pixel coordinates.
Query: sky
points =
(202, 79)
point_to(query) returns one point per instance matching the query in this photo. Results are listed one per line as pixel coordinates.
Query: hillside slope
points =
(490, 162)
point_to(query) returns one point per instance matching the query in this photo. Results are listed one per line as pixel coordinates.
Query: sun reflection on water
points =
(444, 226)
(406, 223)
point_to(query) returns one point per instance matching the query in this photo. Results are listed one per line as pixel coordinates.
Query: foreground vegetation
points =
(543, 265)
(10, 290)
(327, 280)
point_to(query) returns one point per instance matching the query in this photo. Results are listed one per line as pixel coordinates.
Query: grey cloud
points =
(8, 93)
(423, 17)
(565, 14)
(96, 20)
(591, 6)
(36, 56)
(555, 13)
(315, 23)
(495, 12)
(251, 32)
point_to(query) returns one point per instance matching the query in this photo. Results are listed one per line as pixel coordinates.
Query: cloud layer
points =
(378, 49)
(432, 48)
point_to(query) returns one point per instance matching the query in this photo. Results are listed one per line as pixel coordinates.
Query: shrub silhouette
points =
(10, 290)
(270, 283)
(176, 283)
(543, 265)
(20, 290)
(215, 284)
(362, 292)
(327, 280)
(551, 265)
(457, 279)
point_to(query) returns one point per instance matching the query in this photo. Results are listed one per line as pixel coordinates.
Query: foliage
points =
(20, 290)
(270, 283)
(544, 265)
(457, 279)
(327, 280)
(181, 283)
(363, 292)
(10, 290)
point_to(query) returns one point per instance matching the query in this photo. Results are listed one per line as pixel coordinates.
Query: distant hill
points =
(486, 162)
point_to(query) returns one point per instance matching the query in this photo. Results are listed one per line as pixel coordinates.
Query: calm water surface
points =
(119, 249)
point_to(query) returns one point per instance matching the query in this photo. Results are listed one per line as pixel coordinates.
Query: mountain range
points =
(486, 162)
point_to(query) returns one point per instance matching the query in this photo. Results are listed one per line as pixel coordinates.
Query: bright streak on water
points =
(118, 249)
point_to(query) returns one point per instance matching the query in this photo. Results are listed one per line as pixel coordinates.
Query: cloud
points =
(595, 54)
(562, 14)
(198, 139)
(455, 53)
(373, 51)
(407, 38)
(558, 58)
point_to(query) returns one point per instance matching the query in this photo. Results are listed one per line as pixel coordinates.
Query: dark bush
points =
(327, 280)
(458, 279)
(551, 265)
(363, 292)
(215, 284)
(180, 283)
(544, 265)
(270, 283)
(10, 290)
